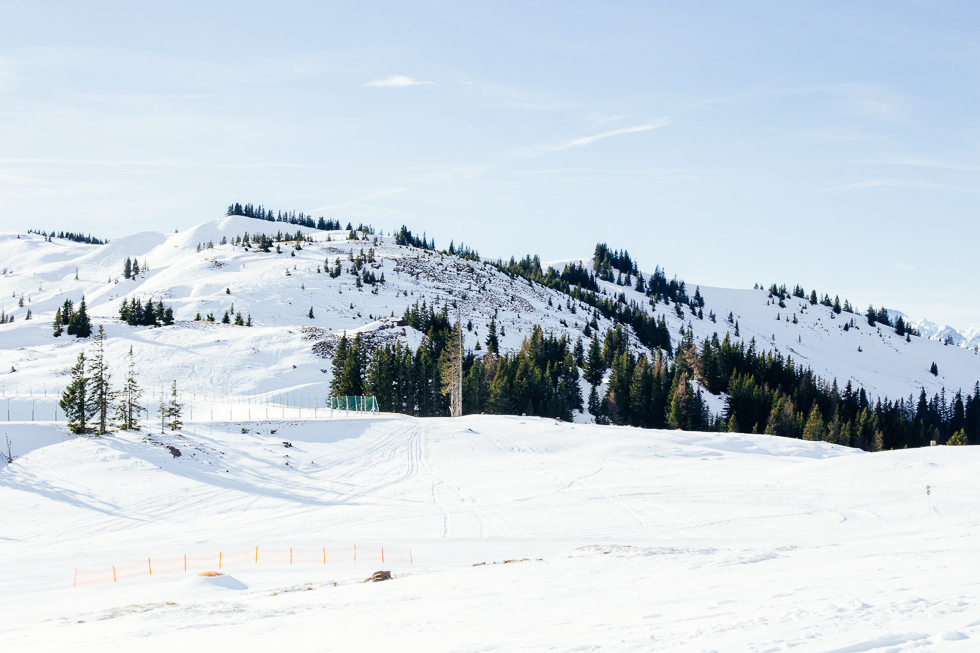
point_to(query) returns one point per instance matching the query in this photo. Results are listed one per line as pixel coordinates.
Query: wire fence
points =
(241, 558)
(41, 405)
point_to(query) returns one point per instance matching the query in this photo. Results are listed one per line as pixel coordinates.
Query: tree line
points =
(88, 239)
(261, 213)
(766, 393)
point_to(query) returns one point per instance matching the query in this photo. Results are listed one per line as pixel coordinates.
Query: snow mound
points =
(205, 581)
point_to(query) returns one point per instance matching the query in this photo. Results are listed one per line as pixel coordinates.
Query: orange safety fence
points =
(259, 555)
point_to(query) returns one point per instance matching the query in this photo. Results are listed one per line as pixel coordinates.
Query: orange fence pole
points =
(382, 555)
(219, 559)
(324, 555)
(149, 565)
(290, 555)
(113, 573)
(185, 562)
(256, 555)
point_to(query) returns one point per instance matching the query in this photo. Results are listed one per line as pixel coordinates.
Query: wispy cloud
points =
(903, 266)
(397, 81)
(901, 183)
(546, 148)
(446, 174)
(359, 201)
(925, 163)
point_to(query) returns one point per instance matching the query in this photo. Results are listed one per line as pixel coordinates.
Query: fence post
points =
(185, 562)
(382, 555)
(219, 559)
(113, 573)
(149, 566)
(290, 555)
(256, 555)
(324, 555)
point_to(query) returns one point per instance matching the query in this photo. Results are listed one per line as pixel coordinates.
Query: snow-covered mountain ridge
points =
(279, 354)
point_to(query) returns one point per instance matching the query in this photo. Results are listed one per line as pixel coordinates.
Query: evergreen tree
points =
(900, 326)
(814, 430)
(128, 267)
(79, 324)
(493, 345)
(957, 439)
(128, 409)
(174, 409)
(680, 404)
(163, 410)
(594, 403)
(934, 369)
(595, 364)
(451, 369)
(100, 388)
(226, 319)
(311, 313)
(76, 400)
(58, 324)
(339, 363)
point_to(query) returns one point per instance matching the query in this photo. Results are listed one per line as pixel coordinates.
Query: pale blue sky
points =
(832, 144)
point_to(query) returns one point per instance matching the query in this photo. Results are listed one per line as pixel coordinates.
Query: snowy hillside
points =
(618, 539)
(284, 358)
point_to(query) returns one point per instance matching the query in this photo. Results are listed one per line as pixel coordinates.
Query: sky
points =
(829, 144)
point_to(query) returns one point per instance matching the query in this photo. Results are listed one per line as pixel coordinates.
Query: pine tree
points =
(226, 319)
(163, 410)
(100, 389)
(595, 365)
(76, 401)
(128, 409)
(679, 416)
(958, 439)
(451, 369)
(594, 403)
(311, 313)
(79, 324)
(339, 363)
(58, 324)
(174, 409)
(934, 369)
(814, 430)
(128, 267)
(493, 344)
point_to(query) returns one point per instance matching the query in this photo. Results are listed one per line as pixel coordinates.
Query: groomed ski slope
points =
(635, 540)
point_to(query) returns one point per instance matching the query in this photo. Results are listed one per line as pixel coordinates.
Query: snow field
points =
(648, 540)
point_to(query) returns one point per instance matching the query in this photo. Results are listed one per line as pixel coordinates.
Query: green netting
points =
(360, 404)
